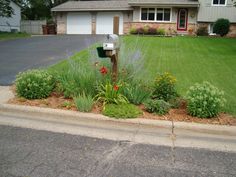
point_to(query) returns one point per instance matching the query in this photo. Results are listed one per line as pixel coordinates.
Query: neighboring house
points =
(11, 23)
(175, 16)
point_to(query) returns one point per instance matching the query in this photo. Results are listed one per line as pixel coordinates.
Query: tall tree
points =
(5, 8)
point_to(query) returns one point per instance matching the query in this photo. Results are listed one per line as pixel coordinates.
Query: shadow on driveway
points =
(39, 51)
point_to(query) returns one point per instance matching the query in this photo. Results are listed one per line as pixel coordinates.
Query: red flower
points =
(103, 70)
(116, 87)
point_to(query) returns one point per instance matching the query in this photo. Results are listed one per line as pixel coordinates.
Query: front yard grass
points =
(189, 59)
(6, 36)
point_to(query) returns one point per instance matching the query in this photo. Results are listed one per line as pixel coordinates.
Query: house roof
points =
(186, 3)
(113, 5)
(93, 6)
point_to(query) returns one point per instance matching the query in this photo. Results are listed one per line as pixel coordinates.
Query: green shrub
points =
(146, 29)
(221, 27)
(204, 100)
(84, 103)
(110, 94)
(133, 31)
(159, 107)
(164, 87)
(161, 32)
(34, 84)
(202, 31)
(136, 93)
(121, 111)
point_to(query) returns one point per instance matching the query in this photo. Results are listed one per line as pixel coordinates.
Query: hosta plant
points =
(204, 100)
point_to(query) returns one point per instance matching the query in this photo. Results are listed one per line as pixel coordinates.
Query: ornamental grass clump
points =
(164, 87)
(84, 103)
(34, 84)
(204, 100)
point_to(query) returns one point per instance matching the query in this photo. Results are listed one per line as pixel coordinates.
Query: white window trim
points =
(155, 17)
(219, 4)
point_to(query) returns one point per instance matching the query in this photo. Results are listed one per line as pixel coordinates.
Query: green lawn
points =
(190, 60)
(7, 36)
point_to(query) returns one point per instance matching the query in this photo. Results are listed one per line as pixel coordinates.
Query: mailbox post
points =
(111, 48)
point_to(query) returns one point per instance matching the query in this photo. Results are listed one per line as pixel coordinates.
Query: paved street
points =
(31, 153)
(39, 51)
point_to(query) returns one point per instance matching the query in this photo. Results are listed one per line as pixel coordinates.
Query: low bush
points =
(84, 103)
(159, 107)
(110, 94)
(204, 100)
(133, 31)
(140, 30)
(34, 84)
(121, 111)
(164, 87)
(221, 27)
(202, 31)
(152, 31)
(161, 32)
(136, 93)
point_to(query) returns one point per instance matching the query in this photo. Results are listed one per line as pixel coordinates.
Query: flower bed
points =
(88, 86)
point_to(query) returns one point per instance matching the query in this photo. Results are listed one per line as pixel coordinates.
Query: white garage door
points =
(79, 23)
(104, 24)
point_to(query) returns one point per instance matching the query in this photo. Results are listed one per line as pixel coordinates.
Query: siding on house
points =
(209, 13)
(11, 23)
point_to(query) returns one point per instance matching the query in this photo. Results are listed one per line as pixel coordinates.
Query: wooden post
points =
(116, 24)
(114, 61)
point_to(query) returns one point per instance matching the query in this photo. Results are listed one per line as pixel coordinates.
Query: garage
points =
(104, 22)
(79, 23)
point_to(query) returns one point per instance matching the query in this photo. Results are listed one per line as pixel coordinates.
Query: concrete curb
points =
(64, 115)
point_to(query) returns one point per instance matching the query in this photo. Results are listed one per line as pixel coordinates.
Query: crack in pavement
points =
(104, 166)
(173, 139)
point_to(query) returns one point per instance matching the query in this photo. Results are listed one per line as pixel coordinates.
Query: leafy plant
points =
(176, 102)
(152, 31)
(84, 103)
(221, 27)
(161, 32)
(159, 107)
(164, 87)
(136, 93)
(202, 31)
(204, 100)
(121, 111)
(34, 84)
(110, 94)
(133, 31)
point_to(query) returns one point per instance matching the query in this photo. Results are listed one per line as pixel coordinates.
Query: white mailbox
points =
(111, 43)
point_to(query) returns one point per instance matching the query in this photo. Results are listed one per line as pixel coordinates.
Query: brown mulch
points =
(57, 101)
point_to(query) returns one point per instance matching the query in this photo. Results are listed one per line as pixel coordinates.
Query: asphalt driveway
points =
(39, 51)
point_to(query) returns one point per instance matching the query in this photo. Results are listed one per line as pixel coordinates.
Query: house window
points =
(219, 2)
(155, 14)
(148, 14)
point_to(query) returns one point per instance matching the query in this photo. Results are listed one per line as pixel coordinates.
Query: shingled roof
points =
(188, 3)
(93, 6)
(112, 5)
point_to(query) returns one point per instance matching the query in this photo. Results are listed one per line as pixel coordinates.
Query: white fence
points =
(32, 27)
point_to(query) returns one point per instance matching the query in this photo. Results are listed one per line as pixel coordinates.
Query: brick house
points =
(178, 16)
